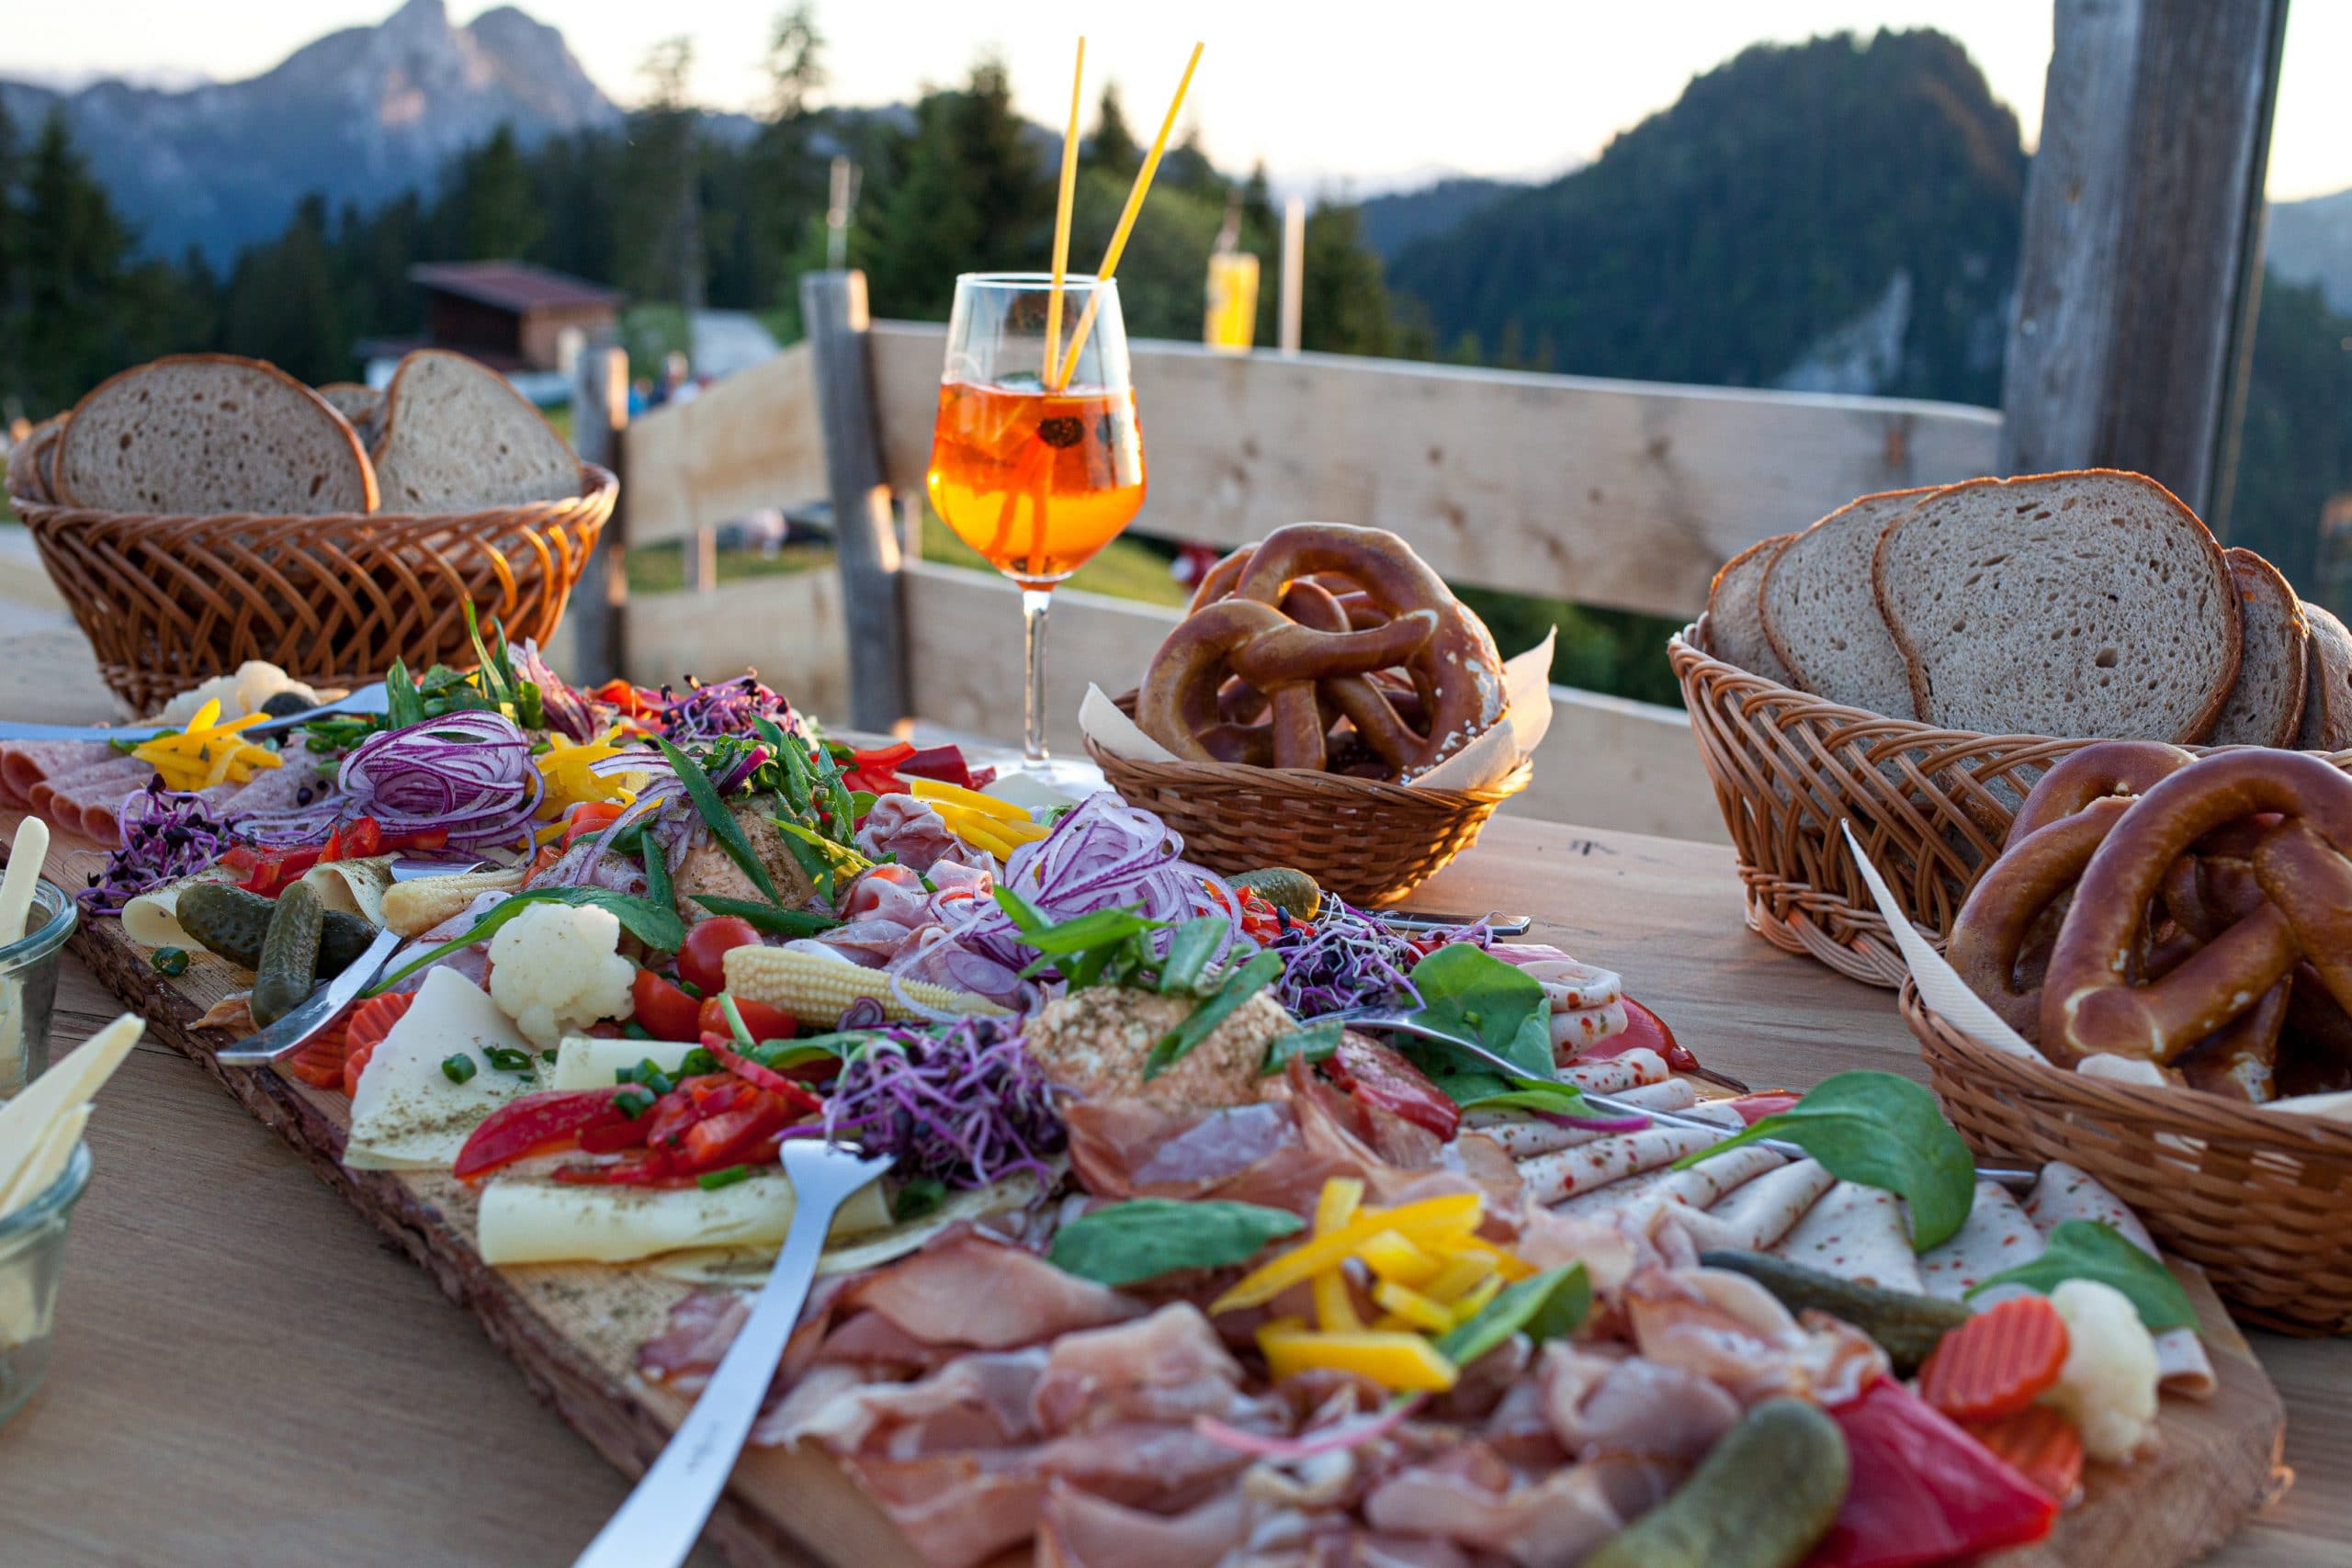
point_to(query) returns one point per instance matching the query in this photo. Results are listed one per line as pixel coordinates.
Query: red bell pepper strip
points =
(944, 764)
(536, 1123)
(633, 701)
(1385, 1081)
(1923, 1489)
(874, 770)
(794, 1096)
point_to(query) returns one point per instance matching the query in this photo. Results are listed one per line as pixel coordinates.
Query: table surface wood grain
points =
(243, 1374)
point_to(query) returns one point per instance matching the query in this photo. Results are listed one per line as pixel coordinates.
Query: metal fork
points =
(2016, 1178)
(288, 1034)
(658, 1524)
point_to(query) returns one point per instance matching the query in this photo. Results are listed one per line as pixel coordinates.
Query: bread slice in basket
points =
(2327, 699)
(207, 433)
(457, 437)
(1822, 618)
(1734, 620)
(362, 405)
(2072, 605)
(2265, 707)
(29, 460)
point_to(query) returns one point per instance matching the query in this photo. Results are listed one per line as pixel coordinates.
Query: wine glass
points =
(1034, 470)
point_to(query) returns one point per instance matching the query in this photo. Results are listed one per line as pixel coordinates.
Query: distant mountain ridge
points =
(1395, 220)
(2311, 242)
(361, 114)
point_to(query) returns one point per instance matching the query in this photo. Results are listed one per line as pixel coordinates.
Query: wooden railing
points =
(1617, 493)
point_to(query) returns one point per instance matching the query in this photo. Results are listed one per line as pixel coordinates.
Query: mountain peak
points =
(360, 114)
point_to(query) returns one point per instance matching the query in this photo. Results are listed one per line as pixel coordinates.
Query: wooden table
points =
(245, 1376)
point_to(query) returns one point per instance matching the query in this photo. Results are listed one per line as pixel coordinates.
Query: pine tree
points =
(975, 197)
(283, 304)
(784, 179)
(661, 252)
(72, 280)
(12, 304)
(496, 219)
(1112, 147)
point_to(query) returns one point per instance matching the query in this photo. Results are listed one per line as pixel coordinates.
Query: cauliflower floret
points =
(2107, 1387)
(557, 968)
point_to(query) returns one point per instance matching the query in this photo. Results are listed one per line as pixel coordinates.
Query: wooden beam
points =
(598, 613)
(833, 305)
(750, 441)
(2142, 222)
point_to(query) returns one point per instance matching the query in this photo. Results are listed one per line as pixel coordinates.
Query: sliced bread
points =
(457, 437)
(2327, 699)
(362, 405)
(2080, 604)
(29, 460)
(1822, 617)
(1735, 627)
(209, 433)
(2265, 707)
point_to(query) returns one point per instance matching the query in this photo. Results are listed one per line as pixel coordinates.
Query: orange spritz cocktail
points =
(1037, 481)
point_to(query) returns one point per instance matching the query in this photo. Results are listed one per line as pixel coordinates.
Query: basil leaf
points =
(718, 818)
(1238, 987)
(1472, 993)
(2093, 1249)
(655, 925)
(1124, 1244)
(1189, 951)
(1546, 1306)
(1314, 1043)
(771, 918)
(1884, 1131)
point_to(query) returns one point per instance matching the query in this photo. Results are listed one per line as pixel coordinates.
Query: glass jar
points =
(28, 987)
(32, 1251)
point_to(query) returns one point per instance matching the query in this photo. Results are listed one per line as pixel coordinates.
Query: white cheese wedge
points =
(583, 1061)
(531, 1220)
(26, 1120)
(152, 919)
(48, 1162)
(409, 1114)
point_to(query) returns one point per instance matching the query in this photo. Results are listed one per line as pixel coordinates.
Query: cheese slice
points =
(152, 919)
(409, 1114)
(746, 1268)
(26, 1120)
(48, 1161)
(584, 1061)
(353, 886)
(532, 1219)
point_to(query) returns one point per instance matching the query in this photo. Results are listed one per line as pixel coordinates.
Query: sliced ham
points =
(1600, 1404)
(24, 763)
(1854, 1233)
(1758, 1213)
(1550, 1178)
(61, 797)
(2066, 1192)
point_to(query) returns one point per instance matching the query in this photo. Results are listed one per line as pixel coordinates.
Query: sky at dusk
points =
(1369, 94)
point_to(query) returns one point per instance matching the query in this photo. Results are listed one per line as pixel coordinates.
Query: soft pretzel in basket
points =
(2206, 924)
(1325, 646)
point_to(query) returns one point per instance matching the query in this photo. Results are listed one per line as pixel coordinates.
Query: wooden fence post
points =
(600, 606)
(2139, 263)
(832, 309)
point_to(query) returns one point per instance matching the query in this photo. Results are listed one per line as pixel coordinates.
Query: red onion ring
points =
(467, 773)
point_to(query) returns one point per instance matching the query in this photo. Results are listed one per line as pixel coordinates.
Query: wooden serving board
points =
(573, 1332)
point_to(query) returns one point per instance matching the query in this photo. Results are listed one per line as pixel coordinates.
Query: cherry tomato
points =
(700, 960)
(667, 1012)
(592, 817)
(765, 1022)
(1385, 1081)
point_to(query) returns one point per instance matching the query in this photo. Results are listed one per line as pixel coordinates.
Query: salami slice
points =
(62, 798)
(24, 763)
(1550, 1177)
(1854, 1233)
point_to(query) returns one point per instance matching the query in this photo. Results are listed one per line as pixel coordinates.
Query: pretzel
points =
(2011, 903)
(2089, 1003)
(2096, 773)
(1363, 622)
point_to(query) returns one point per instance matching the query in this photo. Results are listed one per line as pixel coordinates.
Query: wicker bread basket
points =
(167, 602)
(1929, 806)
(2261, 1198)
(1372, 843)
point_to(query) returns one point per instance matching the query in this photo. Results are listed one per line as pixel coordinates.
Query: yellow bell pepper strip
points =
(1394, 1258)
(1434, 1219)
(1512, 1267)
(1405, 1362)
(568, 769)
(1462, 1273)
(207, 752)
(940, 792)
(1477, 1300)
(1415, 1308)
(1335, 1300)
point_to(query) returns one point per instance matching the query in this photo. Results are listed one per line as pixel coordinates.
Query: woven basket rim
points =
(2190, 1113)
(598, 487)
(1304, 781)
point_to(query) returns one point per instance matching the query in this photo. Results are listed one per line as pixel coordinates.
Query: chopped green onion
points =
(917, 1198)
(507, 1060)
(635, 1030)
(458, 1067)
(697, 1063)
(633, 1102)
(712, 1181)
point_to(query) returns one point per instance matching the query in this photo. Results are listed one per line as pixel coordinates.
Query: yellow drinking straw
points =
(1061, 214)
(1127, 223)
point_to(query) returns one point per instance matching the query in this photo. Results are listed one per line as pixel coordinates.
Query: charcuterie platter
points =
(1163, 1256)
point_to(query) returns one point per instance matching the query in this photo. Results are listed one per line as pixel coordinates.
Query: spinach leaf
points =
(1189, 951)
(1884, 1131)
(1493, 1091)
(1316, 1042)
(1544, 1306)
(2093, 1249)
(718, 818)
(1124, 1244)
(1238, 987)
(774, 919)
(1471, 993)
(655, 925)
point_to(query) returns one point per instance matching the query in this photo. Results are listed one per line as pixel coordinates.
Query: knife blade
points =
(368, 699)
(288, 1034)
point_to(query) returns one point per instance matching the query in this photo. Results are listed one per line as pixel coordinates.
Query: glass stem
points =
(1034, 605)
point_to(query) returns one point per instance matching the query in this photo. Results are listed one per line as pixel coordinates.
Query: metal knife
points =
(288, 1033)
(368, 699)
(1413, 921)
